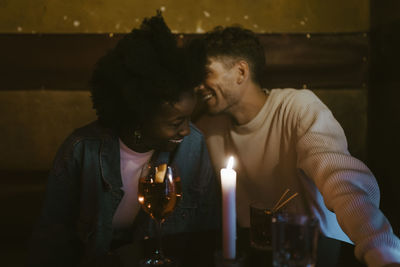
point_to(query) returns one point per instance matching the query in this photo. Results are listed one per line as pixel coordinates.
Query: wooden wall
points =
(184, 16)
(45, 85)
(48, 48)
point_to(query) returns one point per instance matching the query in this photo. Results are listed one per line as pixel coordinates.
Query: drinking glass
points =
(260, 226)
(294, 240)
(159, 192)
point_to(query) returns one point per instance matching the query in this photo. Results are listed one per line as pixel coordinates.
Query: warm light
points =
(141, 199)
(230, 163)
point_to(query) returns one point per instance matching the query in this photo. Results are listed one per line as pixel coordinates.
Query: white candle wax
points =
(228, 184)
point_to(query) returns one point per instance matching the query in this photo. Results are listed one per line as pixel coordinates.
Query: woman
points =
(142, 91)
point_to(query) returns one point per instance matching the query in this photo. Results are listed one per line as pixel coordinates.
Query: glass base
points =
(157, 260)
(151, 263)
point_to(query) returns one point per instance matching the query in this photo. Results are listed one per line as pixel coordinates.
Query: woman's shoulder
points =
(194, 131)
(89, 132)
(93, 130)
(195, 136)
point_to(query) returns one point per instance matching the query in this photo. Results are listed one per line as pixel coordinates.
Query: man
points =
(288, 139)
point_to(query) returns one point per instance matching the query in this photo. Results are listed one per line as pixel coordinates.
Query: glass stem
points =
(159, 239)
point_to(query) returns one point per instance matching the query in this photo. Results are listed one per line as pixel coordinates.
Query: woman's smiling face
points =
(168, 128)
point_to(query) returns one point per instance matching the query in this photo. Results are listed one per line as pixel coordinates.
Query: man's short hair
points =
(237, 43)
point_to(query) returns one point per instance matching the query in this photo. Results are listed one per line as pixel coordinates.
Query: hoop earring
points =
(137, 136)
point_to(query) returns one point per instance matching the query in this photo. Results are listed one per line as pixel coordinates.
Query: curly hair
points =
(237, 43)
(144, 70)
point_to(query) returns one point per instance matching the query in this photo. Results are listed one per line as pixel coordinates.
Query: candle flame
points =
(230, 163)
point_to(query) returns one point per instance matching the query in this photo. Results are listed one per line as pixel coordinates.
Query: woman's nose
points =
(199, 88)
(185, 129)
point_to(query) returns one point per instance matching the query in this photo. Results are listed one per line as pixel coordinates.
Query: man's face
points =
(219, 90)
(169, 127)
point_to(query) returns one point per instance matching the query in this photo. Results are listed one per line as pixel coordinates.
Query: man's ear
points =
(243, 71)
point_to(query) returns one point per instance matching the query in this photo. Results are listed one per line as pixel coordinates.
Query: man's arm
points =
(347, 185)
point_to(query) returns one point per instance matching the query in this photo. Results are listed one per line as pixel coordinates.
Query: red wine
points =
(159, 199)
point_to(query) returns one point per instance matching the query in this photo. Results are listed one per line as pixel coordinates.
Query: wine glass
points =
(159, 192)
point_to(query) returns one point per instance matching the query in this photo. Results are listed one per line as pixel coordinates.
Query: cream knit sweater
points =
(295, 142)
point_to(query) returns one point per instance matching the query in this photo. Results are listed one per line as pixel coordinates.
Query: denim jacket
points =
(84, 190)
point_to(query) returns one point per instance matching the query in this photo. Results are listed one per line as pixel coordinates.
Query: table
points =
(331, 253)
(204, 250)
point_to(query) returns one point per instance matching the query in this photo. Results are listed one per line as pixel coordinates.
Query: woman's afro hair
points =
(144, 70)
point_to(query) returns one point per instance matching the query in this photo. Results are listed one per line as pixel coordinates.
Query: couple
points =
(143, 93)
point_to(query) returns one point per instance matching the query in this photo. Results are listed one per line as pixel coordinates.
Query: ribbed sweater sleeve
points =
(347, 185)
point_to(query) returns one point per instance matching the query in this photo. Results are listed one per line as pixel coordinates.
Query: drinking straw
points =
(280, 199)
(286, 201)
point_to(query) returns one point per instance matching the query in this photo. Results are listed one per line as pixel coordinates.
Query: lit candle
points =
(228, 183)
